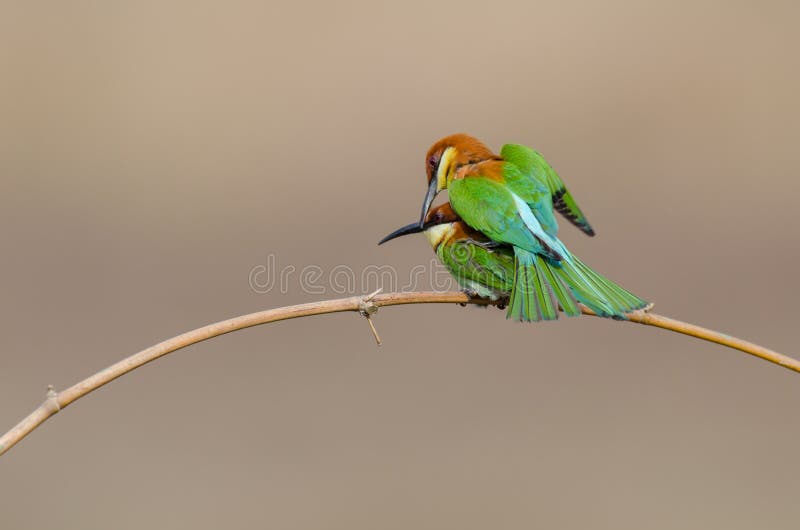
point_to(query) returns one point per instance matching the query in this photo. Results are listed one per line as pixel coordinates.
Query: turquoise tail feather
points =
(538, 290)
(594, 290)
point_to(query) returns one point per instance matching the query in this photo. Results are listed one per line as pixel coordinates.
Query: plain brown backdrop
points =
(153, 153)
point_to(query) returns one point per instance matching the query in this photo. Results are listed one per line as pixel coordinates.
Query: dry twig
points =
(367, 306)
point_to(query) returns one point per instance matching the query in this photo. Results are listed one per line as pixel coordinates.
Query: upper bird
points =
(510, 199)
(533, 174)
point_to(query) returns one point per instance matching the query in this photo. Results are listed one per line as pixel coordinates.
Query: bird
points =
(486, 269)
(510, 198)
(482, 267)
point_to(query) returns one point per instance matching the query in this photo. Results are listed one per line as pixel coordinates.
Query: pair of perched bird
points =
(498, 234)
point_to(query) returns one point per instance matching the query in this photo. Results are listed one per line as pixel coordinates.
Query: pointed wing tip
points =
(582, 224)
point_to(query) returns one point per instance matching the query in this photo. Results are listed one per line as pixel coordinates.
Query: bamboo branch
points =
(367, 306)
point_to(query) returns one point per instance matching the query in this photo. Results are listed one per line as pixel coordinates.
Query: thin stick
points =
(57, 401)
(659, 321)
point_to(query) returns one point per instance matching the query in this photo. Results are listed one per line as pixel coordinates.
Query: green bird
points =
(510, 199)
(486, 269)
(482, 267)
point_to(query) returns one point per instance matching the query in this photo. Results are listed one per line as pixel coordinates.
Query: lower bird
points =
(487, 269)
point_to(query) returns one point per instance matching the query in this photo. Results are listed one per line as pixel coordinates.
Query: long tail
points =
(595, 291)
(538, 290)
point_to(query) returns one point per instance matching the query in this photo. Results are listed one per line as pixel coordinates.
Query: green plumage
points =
(535, 285)
(533, 165)
(499, 234)
(515, 207)
(532, 283)
(487, 272)
(492, 208)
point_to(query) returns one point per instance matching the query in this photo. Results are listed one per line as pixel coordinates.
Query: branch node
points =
(52, 399)
(367, 307)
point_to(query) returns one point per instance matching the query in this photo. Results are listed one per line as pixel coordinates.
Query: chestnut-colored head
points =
(441, 214)
(445, 157)
(455, 150)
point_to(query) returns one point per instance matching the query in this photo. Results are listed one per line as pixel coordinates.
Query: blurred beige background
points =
(154, 153)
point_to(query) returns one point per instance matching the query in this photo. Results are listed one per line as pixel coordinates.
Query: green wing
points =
(533, 164)
(490, 207)
(468, 261)
(535, 193)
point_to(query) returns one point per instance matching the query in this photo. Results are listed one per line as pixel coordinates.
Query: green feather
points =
(490, 207)
(544, 294)
(595, 291)
(473, 264)
(533, 165)
(562, 293)
(532, 297)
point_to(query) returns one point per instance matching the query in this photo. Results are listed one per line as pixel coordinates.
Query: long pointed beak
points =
(413, 228)
(432, 191)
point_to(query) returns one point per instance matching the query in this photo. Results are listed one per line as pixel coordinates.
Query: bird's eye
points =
(432, 162)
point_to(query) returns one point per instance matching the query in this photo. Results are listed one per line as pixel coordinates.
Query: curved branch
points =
(366, 306)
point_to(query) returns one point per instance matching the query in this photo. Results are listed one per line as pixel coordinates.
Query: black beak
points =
(413, 228)
(432, 191)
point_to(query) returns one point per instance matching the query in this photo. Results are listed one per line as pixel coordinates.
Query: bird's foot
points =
(502, 303)
(472, 294)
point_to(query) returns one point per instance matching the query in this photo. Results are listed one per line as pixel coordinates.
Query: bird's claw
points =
(471, 293)
(502, 303)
